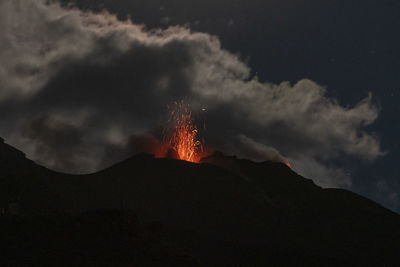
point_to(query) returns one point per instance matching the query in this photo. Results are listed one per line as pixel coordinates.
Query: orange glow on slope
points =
(288, 164)
(182, 135)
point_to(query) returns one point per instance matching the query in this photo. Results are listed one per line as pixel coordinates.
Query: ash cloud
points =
(97, 81)
(57, 143)
(139, 143)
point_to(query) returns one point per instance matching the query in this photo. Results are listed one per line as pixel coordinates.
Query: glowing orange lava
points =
(288, 164)
(182, 134)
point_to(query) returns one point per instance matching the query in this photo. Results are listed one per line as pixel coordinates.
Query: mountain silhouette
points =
(225, 211)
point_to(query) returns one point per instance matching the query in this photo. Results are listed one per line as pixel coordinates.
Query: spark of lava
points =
(182, 135)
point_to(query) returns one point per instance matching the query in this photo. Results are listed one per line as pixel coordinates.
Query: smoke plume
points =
(78, 88)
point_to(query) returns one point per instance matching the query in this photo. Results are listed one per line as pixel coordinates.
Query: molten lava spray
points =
(182, 135)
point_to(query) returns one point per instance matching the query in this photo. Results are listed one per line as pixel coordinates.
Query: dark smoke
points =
(99, 83)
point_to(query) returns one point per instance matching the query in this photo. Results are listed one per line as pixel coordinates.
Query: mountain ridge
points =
(224, 211)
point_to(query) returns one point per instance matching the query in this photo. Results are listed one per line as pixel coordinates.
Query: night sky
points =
(314, 82)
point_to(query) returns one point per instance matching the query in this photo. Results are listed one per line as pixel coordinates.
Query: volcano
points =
(148, 211)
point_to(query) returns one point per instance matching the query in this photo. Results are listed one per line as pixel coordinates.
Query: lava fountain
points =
(182, 135)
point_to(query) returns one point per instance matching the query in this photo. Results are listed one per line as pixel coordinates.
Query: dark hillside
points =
(222, 212)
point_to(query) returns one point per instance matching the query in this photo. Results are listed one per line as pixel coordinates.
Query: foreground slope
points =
(225, 211)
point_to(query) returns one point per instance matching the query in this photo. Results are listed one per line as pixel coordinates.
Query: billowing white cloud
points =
(95, 81)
